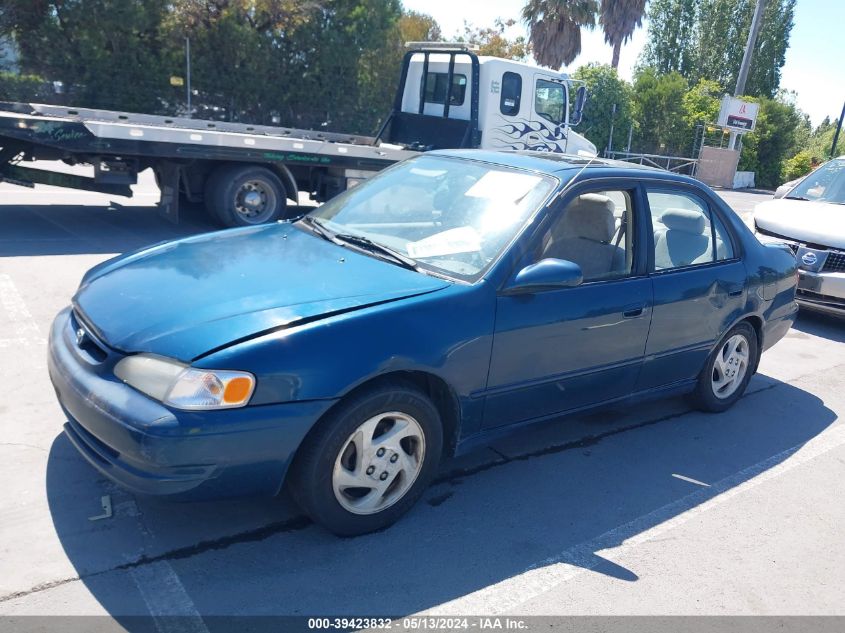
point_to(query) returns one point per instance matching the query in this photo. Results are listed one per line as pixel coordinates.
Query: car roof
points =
(556, 164)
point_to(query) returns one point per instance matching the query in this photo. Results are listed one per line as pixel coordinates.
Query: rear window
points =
(435, 88)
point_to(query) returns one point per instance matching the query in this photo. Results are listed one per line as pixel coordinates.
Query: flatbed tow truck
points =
(448, 97)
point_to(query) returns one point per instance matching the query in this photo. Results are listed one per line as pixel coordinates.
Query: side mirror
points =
(546, 274)
(580, 102)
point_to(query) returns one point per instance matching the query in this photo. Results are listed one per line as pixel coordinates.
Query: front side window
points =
(450, 215)
(686, 233)
(511, 94)
(595, 230)
(435, 88)
(549, 100)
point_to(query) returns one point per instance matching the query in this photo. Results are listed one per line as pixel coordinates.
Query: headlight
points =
(184, 387)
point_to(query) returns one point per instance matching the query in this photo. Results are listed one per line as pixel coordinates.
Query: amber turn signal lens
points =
(238, 390)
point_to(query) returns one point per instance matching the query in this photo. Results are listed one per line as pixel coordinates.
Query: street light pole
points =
(188, 63)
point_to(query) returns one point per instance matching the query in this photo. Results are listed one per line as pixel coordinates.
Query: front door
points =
(564, 349)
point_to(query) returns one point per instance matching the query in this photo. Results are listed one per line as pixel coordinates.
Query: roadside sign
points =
(177, 81)
(738, 115)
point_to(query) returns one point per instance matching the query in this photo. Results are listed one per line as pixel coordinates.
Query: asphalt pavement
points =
(644, 509)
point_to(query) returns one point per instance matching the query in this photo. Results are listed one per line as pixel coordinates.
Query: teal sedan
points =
(453, 298)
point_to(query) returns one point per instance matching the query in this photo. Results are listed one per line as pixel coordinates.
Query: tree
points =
(659, 112)
(418, 27)
(492, 40)
(619, 19)
(773, 140)
(671, 44)
(119, 60)
(705, 39)
(606, 89)
(555, 28)
(701, 104)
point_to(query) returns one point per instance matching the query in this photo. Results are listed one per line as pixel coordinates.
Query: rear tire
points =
(727, 371)
(244, 195)
(369, 460)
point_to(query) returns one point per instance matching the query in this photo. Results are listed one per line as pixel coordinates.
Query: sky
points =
(815, 60)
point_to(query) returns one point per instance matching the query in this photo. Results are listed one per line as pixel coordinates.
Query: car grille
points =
(835, 263)
(87, 343)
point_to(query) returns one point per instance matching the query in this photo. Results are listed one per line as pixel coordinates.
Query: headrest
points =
(683, 220)
(591, 216)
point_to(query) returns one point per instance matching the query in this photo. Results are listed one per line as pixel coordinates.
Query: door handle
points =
(633, 311)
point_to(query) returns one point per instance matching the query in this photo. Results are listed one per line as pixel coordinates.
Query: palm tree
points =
(619, 19)
(554, 28)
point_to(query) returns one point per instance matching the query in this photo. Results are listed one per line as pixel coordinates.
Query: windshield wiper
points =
(374, 247)
(318, 229)
(797, 198)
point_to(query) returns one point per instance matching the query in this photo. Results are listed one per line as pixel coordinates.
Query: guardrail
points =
(658, 160)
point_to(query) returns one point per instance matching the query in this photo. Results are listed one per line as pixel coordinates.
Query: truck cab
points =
(449, 97)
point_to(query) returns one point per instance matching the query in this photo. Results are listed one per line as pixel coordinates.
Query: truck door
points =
(530, 114)
(549, 108)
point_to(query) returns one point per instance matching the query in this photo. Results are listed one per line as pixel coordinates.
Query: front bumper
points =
(823, 291)
(152, 449)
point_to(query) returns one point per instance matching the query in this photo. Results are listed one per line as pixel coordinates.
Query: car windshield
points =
(826, 184)
(451, 216)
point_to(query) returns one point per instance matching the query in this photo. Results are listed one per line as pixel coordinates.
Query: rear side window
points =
(435, 88)
(686, 232)
(511, 94)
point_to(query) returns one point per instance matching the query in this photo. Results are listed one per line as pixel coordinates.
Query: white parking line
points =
(16, 318)
(505, 596)
(158, 584)
(166, 599)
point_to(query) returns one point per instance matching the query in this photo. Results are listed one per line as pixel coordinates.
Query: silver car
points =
(810, 218)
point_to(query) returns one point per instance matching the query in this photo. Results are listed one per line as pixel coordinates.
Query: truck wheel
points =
(369, 461)
(244, 195)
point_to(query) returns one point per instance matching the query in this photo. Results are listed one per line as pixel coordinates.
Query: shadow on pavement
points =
(559, 493)
(30, 230)
(820, 324)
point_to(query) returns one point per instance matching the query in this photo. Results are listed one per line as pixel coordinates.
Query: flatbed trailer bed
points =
(182, 152)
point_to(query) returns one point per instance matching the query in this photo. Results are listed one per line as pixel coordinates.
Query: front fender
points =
(447, 334)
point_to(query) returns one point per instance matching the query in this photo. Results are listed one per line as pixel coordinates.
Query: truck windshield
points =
(826, 184)
(450, 215)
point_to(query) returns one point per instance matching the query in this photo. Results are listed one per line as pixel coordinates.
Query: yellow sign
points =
(177, 81)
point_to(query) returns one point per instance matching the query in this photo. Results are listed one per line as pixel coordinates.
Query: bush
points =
(14, 87)
(797, 166)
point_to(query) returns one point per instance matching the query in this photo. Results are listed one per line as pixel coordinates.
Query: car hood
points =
(182, 299)
(803, 220)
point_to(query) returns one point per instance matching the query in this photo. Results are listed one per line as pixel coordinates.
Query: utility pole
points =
(836, 134)
(188, 63)
(756, 23)
(610, 138)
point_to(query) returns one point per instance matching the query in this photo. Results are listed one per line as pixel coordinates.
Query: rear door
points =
(699, 283)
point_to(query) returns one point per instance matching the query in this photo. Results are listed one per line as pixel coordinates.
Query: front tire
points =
(369, 460)
(244, 195)
(727, 371)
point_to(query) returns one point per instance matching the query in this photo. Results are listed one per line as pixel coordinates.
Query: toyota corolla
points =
(453, 298)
